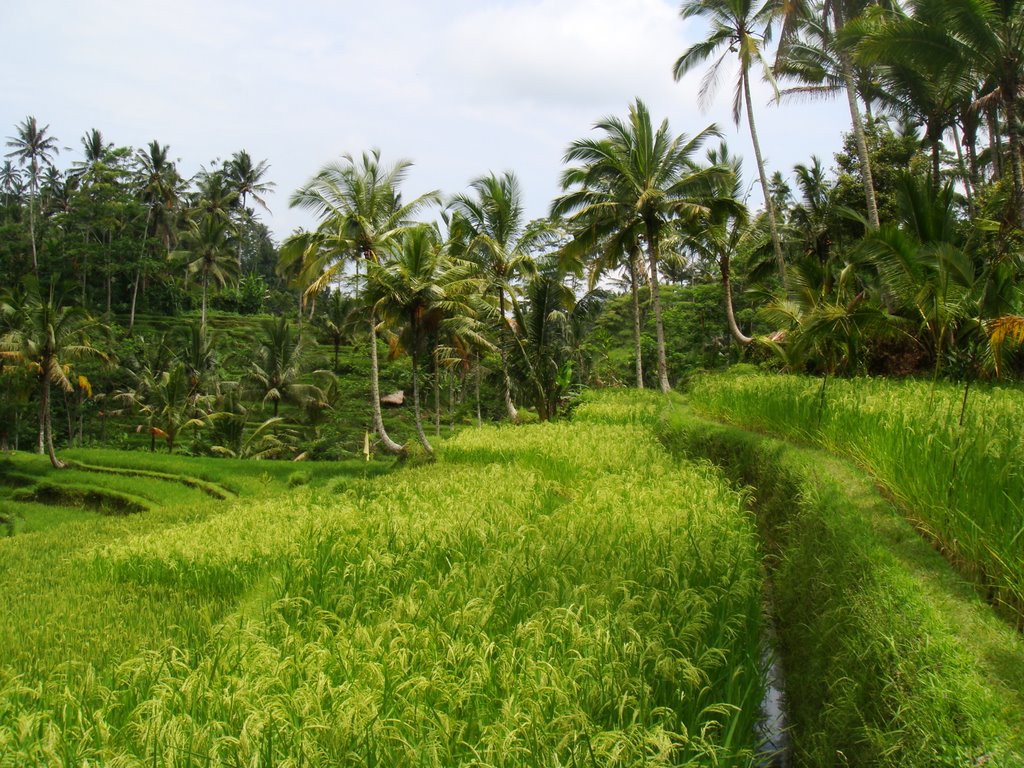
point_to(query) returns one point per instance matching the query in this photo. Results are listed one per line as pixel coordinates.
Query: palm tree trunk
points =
(635, 292)
(768, 206)
(417, 417)
(378, 419)
(734, 328)
(968, 187)
(995, 144)
(205, 281)
(135, 294)
(479, 373)
(44, 405)
(46, 424)
(34, 190)
(652, 256)
(1013, 137)
(513, 414)
(858, 132)
(437, 400)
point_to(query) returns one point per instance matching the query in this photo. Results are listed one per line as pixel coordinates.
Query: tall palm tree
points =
(361, 212)
(499, 240)
(644, 177)
(210, 251)
(612, 245)
(414, 290)
(992, 32)
(742, 27)
(32, 147)
(160, 191)
(248, 178)
(47, 335)
(812, 54)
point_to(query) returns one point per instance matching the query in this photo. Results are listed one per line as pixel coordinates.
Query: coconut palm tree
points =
(46, 335)
(813, 55)
(741, 27)
(337, 320)
(276, 375)
(413, 291)
(210, 251)
(644, 177)
(361, 212)
(160, 190)
(32, 147)
(497, 238)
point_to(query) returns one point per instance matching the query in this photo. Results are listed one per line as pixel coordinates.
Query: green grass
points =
(560, 594)
(890, 659)
(963, 486)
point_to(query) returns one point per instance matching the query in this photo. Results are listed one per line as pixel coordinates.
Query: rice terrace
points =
(701, 458)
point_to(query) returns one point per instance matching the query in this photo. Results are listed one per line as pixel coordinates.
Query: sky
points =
(461, 87)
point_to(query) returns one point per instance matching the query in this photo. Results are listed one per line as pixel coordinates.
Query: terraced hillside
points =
(584, 593)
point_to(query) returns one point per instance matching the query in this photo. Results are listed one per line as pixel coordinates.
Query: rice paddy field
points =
(953, 458)
(553, 595)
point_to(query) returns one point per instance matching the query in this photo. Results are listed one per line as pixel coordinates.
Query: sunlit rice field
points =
(560, 594)
(958, 470)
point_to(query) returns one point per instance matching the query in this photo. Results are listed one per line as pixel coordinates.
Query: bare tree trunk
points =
(635, 292)
(44, 404)
(968, 188)
(44, 415)
(734, 328)
(867, 177)
(652, 255)
(205, 281)
(437, 400)
(510, 407)
(1013, 136)
(135, 294)
(995, 143)
(378, 420)
(479, 373)
(768, 206)
(416, 407)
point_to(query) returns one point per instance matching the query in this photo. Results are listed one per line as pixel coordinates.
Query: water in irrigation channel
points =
(771, 729)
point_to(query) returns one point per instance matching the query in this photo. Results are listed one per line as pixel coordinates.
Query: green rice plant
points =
(889, 658)
(552, 595)
(952, 457)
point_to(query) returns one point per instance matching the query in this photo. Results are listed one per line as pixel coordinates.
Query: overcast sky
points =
(460, 87)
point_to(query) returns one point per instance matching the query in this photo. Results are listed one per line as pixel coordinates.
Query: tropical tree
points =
(46, 335)
(169, 405)
(210, 252)
(413, 291)
(361, 212)
(813, 55)
(160, 190)
(742, 27)
(926, 267)
(643, 177)
(32, 147)
(491, 223)
(337, 320)
(276, 375)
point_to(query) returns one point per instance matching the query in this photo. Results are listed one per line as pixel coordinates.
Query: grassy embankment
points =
(890, 659)
(960, 478)
(562, 594)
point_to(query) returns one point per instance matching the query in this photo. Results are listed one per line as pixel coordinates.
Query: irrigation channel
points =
(772, 729)
(891, 658)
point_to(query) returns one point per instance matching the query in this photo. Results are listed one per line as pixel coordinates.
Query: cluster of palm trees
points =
(929, 257)
(167, 385)
(481, 283)
(908, 258)
(120, 220)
